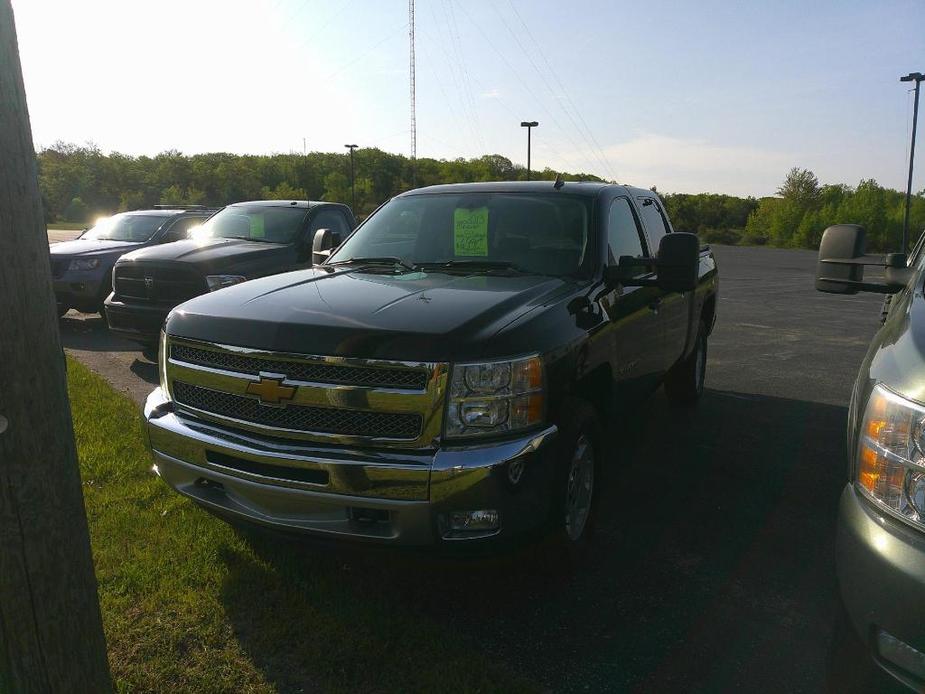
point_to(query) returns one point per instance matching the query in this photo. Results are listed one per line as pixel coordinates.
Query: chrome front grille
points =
(300, 370)
(326, 399)
(327, 420)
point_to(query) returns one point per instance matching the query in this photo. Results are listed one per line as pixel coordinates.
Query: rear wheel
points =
(577, 474)
(684, 383)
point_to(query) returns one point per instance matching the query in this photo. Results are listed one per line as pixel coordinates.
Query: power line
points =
(561, 86)
(388, 37)
(466, 96)
(595, 154)
(523, 83)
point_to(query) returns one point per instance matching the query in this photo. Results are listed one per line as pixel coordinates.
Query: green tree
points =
(283, 191)
(800, 187)
(336, 187)
(76, 211)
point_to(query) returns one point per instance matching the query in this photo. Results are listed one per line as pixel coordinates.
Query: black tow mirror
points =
(842, 258)
(678, 265)
(323, 244)
(840, 268)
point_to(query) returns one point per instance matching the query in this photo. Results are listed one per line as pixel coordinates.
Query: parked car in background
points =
(440, 378)
(243, 241)
(880, 549)
(81, 269)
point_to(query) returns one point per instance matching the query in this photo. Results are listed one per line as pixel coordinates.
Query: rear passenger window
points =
(180, 229)
(654, 220)
(623, 234)
(330, 219)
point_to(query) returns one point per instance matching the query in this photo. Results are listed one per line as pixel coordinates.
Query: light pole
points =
(353, 187)
(529, 125)
(916, 77)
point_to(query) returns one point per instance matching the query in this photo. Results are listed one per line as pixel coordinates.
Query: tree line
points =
(80, 183)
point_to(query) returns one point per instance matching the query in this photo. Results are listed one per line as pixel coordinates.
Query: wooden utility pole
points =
(51, 634)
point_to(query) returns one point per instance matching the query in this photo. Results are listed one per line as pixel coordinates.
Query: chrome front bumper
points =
(881, 572)
(395, 496)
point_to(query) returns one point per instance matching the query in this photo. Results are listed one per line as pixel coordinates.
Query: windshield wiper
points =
(378, 260)
(474, 265)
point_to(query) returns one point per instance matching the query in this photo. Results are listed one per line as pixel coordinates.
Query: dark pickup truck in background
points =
(243, 241)
(441, 376)
(81, 269)
(880, 546)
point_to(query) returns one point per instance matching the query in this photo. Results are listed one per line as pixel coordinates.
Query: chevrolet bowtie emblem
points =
(270, 390)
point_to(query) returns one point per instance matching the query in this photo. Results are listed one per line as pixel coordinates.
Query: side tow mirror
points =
(678, 264)
(324, 242)
(845, 242)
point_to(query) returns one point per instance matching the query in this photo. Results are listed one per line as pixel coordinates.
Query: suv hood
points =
(86, 247)
(413, 316)
(209, 254)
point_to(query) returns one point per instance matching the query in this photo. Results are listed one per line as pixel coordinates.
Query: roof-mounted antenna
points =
(559, 182)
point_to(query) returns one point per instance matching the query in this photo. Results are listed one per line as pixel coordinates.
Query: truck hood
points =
(207, 254)
(413, 316)
(86, 247)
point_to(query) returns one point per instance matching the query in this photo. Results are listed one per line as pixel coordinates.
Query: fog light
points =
(474, 520)
(901, 654)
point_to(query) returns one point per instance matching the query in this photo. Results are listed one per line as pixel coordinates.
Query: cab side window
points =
(654, 220)
(181, 227)
(624, 237)
(330, 219)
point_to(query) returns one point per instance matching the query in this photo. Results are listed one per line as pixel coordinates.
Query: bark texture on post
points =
(51, 634)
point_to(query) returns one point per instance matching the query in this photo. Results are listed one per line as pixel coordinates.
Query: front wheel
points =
(684, 383)
(577, 471)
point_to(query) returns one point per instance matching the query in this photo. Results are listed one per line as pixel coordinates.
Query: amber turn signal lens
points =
(869, 469)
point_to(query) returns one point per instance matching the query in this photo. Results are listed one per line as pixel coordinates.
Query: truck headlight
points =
(216, 282)
(162, 363)
(489, 398)
(84, 264)
(891, 454)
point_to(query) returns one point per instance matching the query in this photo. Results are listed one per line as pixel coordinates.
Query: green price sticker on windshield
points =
(470, 231)
(257, 230)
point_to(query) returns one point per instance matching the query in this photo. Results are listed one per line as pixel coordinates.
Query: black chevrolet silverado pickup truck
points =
(440, 377)
(241, 242)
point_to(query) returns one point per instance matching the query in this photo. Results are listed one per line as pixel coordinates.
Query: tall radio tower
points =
(414, 126)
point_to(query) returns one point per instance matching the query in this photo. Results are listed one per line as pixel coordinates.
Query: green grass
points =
(191, 605)
(67, 226)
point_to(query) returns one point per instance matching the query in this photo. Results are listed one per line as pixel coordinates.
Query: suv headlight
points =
(216, 282)
(162, 363)
(489, 398)
(84, 264)
(891, 454)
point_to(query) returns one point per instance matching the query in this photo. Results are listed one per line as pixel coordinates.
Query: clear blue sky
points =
(687, 96)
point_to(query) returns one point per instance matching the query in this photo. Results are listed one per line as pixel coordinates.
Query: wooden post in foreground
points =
(51, 634)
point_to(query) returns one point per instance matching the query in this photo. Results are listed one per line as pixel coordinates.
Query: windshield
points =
(254, 223)
(125, 227)
(544, 234)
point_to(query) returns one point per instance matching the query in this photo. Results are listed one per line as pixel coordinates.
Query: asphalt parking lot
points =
(713, 566)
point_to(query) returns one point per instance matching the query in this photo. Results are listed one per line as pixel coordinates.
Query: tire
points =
(576, 479)
(684, 383)
(149, 351)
